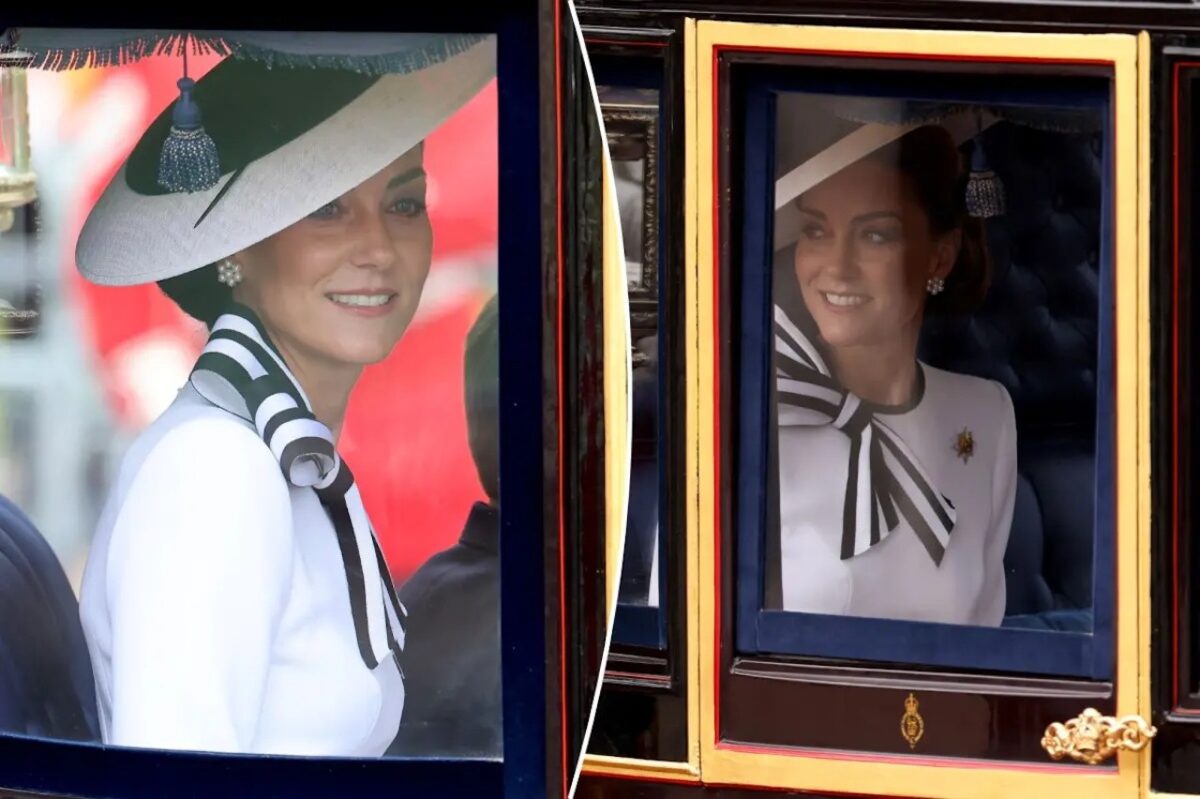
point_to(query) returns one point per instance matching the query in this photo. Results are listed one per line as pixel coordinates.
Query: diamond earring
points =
(935, 285)
(229, 272)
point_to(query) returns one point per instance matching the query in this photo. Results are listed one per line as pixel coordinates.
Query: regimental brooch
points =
(964, 445)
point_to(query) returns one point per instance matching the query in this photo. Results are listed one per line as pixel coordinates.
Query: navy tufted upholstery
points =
(1036, 333)
(46, 686)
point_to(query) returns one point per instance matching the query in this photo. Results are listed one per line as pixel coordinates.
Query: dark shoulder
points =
(451, 575)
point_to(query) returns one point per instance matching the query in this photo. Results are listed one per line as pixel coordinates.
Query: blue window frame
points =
(1055, 642)
(35, 764)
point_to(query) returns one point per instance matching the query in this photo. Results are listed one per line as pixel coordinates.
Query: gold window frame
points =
(616, 302)
(725, 763)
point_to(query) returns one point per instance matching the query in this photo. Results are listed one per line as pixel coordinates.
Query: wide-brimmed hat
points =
(809, 153)
(288, 140)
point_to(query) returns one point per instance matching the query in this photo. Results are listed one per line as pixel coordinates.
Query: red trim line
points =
(562, 518)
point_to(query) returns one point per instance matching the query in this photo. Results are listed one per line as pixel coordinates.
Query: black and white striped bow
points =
(241, 372)
(884, 481)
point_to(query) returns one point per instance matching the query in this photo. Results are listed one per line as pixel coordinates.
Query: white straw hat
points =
(848, 149)
(289, 140)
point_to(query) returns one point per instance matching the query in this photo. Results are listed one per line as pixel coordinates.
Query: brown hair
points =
(934, 169)
(198, 293)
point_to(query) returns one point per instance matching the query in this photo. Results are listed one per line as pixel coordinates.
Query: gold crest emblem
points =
(964, 445)
(912, 726)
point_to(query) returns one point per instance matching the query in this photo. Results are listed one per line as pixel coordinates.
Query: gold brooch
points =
(912, 726)
(964, 445)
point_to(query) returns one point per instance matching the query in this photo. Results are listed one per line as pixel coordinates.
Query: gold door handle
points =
(1092, 738)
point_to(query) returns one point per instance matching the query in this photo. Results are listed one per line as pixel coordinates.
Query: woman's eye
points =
(814, 232)
(408, 206)
(880, 236)
(326, 211)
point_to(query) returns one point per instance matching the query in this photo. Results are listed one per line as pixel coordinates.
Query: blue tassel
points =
(189, 159)
(985, 191)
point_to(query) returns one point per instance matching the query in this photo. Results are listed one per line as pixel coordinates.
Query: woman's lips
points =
(364, 303)
(844, 300)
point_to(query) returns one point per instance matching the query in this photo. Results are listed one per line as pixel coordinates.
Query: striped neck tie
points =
(884, 481)
(241, 372)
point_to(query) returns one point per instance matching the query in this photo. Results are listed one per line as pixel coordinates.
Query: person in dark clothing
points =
(452, 641)
(46, 685)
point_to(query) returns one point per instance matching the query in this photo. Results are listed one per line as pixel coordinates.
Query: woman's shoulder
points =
(196, 466)
(989, 397)
(194, 436)
(197, 494)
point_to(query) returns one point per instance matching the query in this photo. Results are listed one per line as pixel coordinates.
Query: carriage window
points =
(643, 708)
(296, 288)
(631, 118)
(926, 370)
(915, 336)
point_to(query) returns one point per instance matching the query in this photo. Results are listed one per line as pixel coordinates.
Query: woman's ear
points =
(945, 253)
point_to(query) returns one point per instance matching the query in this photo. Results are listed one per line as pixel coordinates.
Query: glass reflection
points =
(935, 361)
(631, 122)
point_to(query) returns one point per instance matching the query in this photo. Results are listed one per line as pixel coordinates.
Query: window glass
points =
(926, 373)
(253, 448)
(631, 118)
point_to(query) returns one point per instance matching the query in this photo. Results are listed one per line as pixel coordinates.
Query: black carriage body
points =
(653, 736)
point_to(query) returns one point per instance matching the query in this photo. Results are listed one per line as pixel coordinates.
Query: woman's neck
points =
(326, 383)
(883, 373)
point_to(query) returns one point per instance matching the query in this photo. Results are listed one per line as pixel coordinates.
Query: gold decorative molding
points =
(1092, 738)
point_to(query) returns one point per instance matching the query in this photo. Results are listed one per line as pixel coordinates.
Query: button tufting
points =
(1036, 332)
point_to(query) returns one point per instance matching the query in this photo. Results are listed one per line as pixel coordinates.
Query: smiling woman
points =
(876, 243)
(227, 607)
(341, 286)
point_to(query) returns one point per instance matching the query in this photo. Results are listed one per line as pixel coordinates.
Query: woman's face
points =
(342, 284)
(865, 254)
